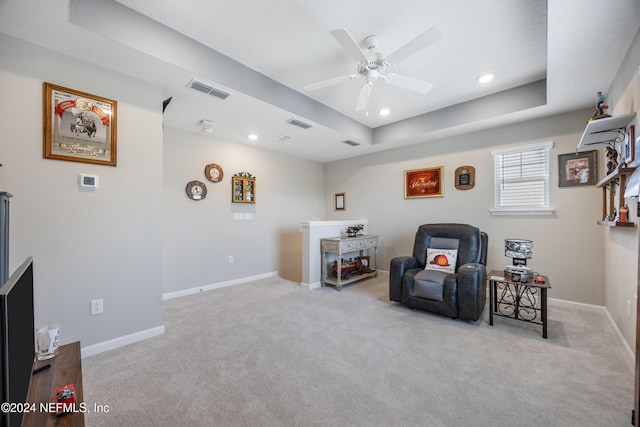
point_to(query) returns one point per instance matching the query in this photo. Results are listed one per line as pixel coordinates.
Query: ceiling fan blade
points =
(414, 46)
(408, 83)
(363, 96)
(329, 82)
(350, 45)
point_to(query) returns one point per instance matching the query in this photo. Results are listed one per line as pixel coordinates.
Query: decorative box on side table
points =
(352, 270)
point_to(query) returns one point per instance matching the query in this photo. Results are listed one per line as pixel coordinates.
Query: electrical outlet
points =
(628, 308)
(97, 307)
(231, 259)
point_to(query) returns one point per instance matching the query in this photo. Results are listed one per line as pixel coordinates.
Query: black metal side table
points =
(525, 301)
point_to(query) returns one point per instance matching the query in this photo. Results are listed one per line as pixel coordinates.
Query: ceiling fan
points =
(372, 64)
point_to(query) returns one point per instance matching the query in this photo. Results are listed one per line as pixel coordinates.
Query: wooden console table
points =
(518, 300)
(344, 245)
(66, 368)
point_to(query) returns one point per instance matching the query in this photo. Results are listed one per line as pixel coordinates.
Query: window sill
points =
(522, 212)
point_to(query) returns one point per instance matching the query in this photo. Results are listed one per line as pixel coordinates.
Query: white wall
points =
(567, 245)
(105, 244)
(621, 245)
(199, 236)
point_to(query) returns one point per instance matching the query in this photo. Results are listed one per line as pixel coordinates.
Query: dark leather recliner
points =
(460, 295)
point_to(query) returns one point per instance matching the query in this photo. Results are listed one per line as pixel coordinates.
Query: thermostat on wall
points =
(88, 181)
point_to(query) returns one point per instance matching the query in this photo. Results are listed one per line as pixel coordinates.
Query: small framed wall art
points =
(79, 126)
(339, 201)
(423, 183)
(578, 168)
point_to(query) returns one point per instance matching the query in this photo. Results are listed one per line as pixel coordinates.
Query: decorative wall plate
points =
(465, 177)
(196, 190)
(213, 172)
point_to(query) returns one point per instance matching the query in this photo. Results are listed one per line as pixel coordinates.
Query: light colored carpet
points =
(269, 353)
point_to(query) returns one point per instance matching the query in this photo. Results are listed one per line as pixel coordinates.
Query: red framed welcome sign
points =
(423, 183)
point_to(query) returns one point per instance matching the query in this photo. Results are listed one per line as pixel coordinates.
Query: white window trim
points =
(516, 211)
(522, 212)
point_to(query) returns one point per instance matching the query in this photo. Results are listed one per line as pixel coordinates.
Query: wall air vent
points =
(299, 123)
(208, 89)
(351, 143)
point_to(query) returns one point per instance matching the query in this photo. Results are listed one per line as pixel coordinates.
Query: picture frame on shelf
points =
(628, 146)
(79, 126)
(339, 199)
(425, 182)
(575, 169)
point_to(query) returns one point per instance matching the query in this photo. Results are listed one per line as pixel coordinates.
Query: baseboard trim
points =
(573, 304)
(92, 350)
(310, 286)
(628, 354)
(213, 286)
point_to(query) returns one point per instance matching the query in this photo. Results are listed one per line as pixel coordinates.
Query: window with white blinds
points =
(521, 177)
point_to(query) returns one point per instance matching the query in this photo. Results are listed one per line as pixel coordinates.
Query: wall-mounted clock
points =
(213, 172)
(196, 190)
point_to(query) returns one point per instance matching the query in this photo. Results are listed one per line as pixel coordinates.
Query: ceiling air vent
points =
(351, 143)
(281, 138)
(299, 123)
(208, 89)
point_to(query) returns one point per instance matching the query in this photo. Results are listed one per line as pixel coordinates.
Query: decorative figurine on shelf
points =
(357, 265)
(624, 213)
(354, 229)
(612, 159)
(601, 105)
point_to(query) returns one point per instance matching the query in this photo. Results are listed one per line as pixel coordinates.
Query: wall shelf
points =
(618, 176)
(605, 131)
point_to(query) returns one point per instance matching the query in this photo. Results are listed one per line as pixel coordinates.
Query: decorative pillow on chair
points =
(441, 260)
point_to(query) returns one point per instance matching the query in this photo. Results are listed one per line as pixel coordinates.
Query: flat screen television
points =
(17, 339)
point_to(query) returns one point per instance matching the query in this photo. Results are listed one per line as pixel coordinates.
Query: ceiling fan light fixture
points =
(371, 64)
(485, 78)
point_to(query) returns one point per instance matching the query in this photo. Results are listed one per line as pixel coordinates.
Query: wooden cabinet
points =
(342, 270)
(243, 189)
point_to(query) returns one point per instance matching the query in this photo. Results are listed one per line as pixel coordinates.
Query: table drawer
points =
(348, 245)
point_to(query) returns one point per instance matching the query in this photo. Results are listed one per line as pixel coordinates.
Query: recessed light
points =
(384, 112)
(253, 136)
(485, 78)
